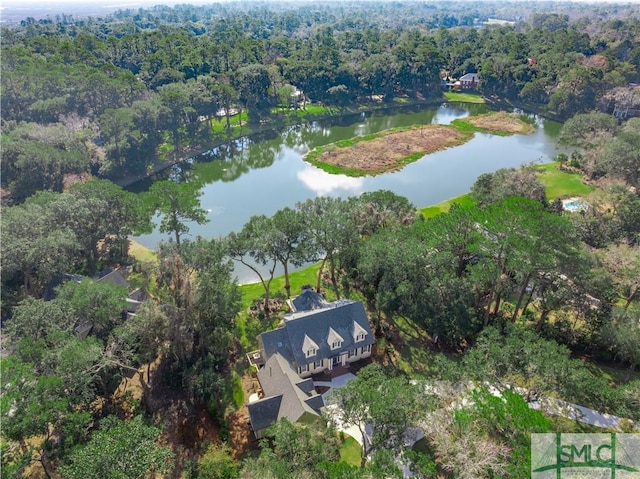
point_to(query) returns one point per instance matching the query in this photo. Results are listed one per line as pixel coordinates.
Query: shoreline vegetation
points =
(558, 184)
(391, 150)
(240, 128)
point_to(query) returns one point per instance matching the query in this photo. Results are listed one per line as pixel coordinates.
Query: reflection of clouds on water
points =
(216, 210)
(324, 184)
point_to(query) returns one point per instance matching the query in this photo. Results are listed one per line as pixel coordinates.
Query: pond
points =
(262, 175)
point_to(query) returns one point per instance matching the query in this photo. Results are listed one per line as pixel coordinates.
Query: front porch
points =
(339, 370)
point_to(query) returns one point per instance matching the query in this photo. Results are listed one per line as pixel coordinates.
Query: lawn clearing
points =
(561, 184)
(351, 452)
(444, 206)
(464, 97)
(142, 253)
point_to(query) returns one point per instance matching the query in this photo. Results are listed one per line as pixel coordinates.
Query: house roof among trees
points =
(307, 300)
(347, 318)
(286, 395)
(469, 77)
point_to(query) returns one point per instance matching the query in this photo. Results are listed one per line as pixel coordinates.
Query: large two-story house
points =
(314, 337)
(468, 81)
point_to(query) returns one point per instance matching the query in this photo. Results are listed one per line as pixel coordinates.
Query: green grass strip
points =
(464, 97)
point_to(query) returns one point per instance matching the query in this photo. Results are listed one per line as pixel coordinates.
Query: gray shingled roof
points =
(469, 77)
(286, 395)
(339, 315)
(264, 413)
(114, 277)
(308, 300)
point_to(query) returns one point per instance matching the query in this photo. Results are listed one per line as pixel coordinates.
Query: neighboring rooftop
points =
(307, 300)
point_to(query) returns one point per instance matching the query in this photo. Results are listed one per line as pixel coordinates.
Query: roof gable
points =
(309, 344)
(307, 300)
(334, 337)
(287, 396)
(340, 317)
(358, 331)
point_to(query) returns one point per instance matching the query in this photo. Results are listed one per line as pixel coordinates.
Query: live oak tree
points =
(103, 216)
(289, 241)
(178, 203)
(120, 449)
(34, 245)
(333, 235)
(294, 450)
(101, 304)
(383, 406)
(505, 182)
(253, 247)
(37, 158)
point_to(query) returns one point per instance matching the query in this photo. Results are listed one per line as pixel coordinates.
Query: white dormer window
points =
(334, 340)
(359, 333)
(309, 347)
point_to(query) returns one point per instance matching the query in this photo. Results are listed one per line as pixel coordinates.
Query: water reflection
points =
(262, 174)
(325, 184)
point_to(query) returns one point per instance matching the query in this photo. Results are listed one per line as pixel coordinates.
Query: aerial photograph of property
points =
(319, 239)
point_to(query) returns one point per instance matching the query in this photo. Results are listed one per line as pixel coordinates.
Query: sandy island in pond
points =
(391, 150)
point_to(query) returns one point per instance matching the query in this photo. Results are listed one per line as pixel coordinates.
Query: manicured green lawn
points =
(351, 452)
(297, 279)
(142, 253)
(464, 97)
(220, 126)
(250, 327)
(435, 210)
(561, 183)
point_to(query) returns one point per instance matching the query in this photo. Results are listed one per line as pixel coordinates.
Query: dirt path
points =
(241, 436)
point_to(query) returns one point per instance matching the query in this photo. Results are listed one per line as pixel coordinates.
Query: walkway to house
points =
(336, 382)
(555, 407)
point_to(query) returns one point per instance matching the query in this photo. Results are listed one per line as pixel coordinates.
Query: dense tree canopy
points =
(499, 282)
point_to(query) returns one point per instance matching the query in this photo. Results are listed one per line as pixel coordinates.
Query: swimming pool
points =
(575, 204)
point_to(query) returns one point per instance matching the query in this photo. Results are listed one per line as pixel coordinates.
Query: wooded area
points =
(508, 287)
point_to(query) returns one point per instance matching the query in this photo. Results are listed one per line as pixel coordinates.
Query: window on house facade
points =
(334, 339)
(309, 347)
(317, 364)
(359, 333)
(303, 369)
(352, 352)
(366, 349)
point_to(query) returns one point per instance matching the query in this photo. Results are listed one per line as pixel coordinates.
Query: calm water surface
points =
(261, 176)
